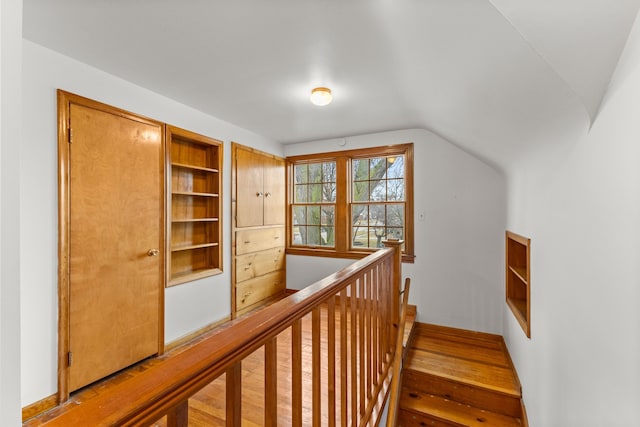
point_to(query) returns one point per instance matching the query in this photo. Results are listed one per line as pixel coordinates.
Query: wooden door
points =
(274, 190)
(249, 188)
(115, 241)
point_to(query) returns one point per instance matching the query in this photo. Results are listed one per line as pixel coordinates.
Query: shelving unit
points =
(518, 279)
(194, 206)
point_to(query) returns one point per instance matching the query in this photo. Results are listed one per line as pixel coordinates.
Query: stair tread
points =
(453, 412)
(461, 350)
(496, 378)
(477, 339)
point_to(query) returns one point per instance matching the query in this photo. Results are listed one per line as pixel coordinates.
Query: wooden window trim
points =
(343, 181)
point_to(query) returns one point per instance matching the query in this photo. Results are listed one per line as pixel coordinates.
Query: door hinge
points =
(70, 133)
(69, 358)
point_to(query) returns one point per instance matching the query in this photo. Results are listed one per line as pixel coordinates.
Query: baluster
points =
(234, 395)
(296, 376)
(331, 360)
(343, 358)
(271, 383)
(179, 416)
(315, 369)
(354, 353)
(361, 362)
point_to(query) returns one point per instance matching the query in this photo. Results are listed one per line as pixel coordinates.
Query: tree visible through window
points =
(346, 203)
(377, 200)
(314, 204)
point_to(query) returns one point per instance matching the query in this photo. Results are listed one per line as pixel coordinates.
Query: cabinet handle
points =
(267, 194)
(153, 252)
(246, 242)
(258, 194)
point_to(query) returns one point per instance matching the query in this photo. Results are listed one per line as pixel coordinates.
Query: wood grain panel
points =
(259, 263)
(251, 291)
(254, 240)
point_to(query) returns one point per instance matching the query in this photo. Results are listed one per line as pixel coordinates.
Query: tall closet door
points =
(274, 191)
(249, 188)
(116, 239)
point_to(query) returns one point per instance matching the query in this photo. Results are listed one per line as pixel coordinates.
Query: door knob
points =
(153, 252)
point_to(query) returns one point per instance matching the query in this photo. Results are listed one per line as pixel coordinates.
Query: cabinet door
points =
(249, 188)
(274, 191)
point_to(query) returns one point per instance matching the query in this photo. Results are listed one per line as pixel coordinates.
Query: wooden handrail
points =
(361, 294)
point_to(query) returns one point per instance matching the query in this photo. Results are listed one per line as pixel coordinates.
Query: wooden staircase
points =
(454, 377)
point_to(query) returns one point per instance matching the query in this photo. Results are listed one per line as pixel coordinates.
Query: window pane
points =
(313, 236)
(302, 237)
(329, 192)
(360, 191)
(358, 215)
(360, 169)
(360, 237)
(378, 191)
(313, 215)
(395, 189)
(301, 174)
(328, 215)
(327, 234)
(395, 168)
(315, 193)
(301, 194)
(378, 168)
(376, 215)
(329, 171)
(299, 215)
(395, 215)
(296, 236)
(375, 239)
(315, 172)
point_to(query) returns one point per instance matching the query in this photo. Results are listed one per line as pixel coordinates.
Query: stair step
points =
(461, 350)
(486, 376)
(422, 409)
(469, 368)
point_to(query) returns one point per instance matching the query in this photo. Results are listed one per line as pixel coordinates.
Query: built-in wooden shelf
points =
(191, 193)
(189, 247)
(518, 279)
(199, 168)
(194, 206)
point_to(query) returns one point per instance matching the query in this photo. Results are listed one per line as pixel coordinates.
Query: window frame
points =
(343, 224)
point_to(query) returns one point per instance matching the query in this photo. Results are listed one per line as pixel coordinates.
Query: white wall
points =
(581, 207)
(10, 127)
(188, 307)
(457, 277)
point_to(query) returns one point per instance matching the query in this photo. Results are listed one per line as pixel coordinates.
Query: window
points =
(344, 204)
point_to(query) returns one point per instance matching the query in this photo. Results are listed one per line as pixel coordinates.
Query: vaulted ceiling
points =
(493, 77)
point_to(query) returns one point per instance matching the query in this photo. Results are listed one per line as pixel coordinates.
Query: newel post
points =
(396, 279)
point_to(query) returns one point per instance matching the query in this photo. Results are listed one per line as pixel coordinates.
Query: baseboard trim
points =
(39, 407)
(193, 335)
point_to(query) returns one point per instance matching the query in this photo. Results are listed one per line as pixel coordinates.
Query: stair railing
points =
(350, 376)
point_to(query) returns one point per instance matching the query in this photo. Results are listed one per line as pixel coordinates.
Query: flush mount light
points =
(321, 96)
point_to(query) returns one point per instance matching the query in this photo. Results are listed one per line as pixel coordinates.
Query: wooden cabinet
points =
(260, 188)
(193, 205)
(258, 273)
(259, 265)
(518, 279)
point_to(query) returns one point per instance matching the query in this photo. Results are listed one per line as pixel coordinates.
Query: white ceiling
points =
(493, 77)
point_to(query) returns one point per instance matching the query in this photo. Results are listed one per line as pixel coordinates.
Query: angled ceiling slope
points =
(581, 40)
(495, 87)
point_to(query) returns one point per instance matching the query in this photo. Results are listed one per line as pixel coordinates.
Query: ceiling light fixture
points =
(321, 96)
